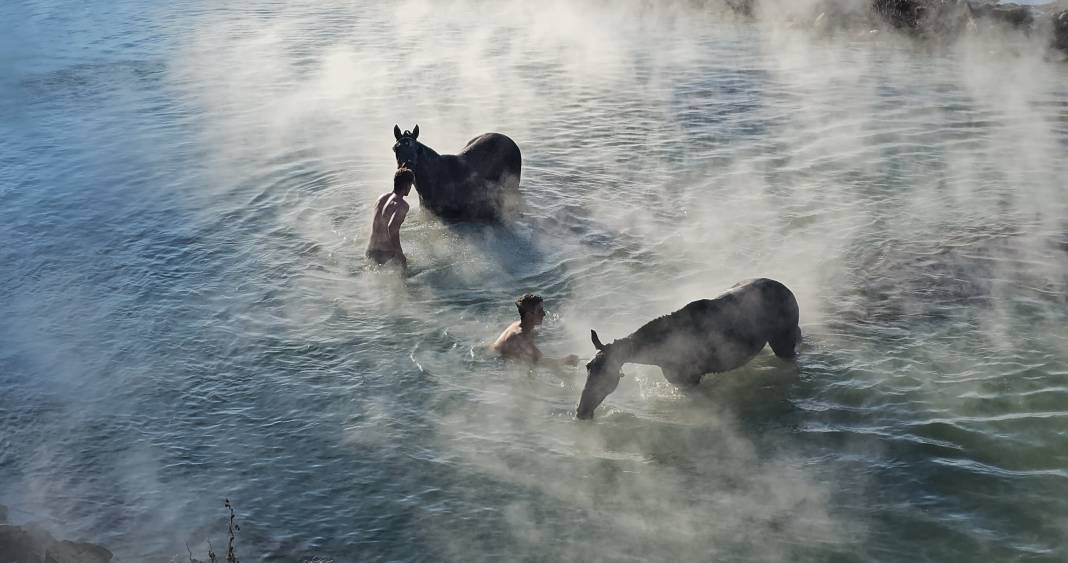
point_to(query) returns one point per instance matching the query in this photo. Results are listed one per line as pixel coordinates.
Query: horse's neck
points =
(645, 345)
(427, 171)
(633, 350)
(430, 154)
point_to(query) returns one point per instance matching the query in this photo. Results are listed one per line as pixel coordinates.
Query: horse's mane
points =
(429, 150)
(659, 328)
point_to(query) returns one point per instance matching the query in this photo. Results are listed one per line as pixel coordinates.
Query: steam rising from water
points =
(910, 197)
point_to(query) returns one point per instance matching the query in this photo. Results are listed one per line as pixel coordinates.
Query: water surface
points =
(185, 191)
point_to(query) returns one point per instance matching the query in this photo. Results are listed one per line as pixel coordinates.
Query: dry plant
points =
(232, 529)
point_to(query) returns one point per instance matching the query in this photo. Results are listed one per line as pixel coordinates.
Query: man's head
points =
(402, 181)
(531, 308)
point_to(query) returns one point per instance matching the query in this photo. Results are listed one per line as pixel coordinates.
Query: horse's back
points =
(725, 332)
(493, 155)
(764, 298)
(754, 310)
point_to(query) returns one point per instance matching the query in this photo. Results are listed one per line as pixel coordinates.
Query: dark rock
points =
(19, 546)
(833, 15)
(72, 552)
(742, 10)
(39, 534)
(1060, 30)
(741, 7)
(1014, 16)
(902, 14)
(33, 544)
(937, 18)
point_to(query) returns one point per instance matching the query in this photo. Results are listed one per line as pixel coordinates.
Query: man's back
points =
(390, 212)
(517, 343)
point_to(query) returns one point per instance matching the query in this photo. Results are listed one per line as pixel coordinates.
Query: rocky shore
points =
(31, 543)
(937, 20)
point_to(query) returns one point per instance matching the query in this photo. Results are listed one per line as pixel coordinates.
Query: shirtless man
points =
(390, 211)
(517, 341)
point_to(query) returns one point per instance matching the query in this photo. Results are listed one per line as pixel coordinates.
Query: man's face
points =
(537, 314)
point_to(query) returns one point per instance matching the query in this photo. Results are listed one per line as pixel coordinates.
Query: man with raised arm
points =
(390, 211)
(517, 341)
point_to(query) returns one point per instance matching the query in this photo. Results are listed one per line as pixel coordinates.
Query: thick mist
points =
(910, 194)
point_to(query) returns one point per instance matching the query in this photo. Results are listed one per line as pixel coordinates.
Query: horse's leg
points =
(785, 343)
(509, 199)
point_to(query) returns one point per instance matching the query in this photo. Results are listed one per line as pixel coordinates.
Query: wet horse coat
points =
(481, 182)
(705, 336)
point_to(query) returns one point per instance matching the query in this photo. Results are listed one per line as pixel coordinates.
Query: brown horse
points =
(706, 336)
(481, 182)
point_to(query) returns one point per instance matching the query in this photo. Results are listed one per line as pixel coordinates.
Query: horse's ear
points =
(415, 132)
(396, 132)
(596, 341)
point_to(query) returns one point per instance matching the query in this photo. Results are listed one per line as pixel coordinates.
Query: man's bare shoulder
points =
(507, 336)
(513, 329)
(398, 206)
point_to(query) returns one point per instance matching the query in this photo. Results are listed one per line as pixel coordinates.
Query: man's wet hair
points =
(403, 178)
(527, 303)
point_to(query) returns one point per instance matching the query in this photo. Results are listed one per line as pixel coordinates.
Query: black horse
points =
(481, 182)
(706, 336)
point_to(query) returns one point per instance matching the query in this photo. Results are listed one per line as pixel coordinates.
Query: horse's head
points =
(407, 148)
(602, 377)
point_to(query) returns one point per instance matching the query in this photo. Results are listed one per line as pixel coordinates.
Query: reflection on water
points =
(184, 200)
